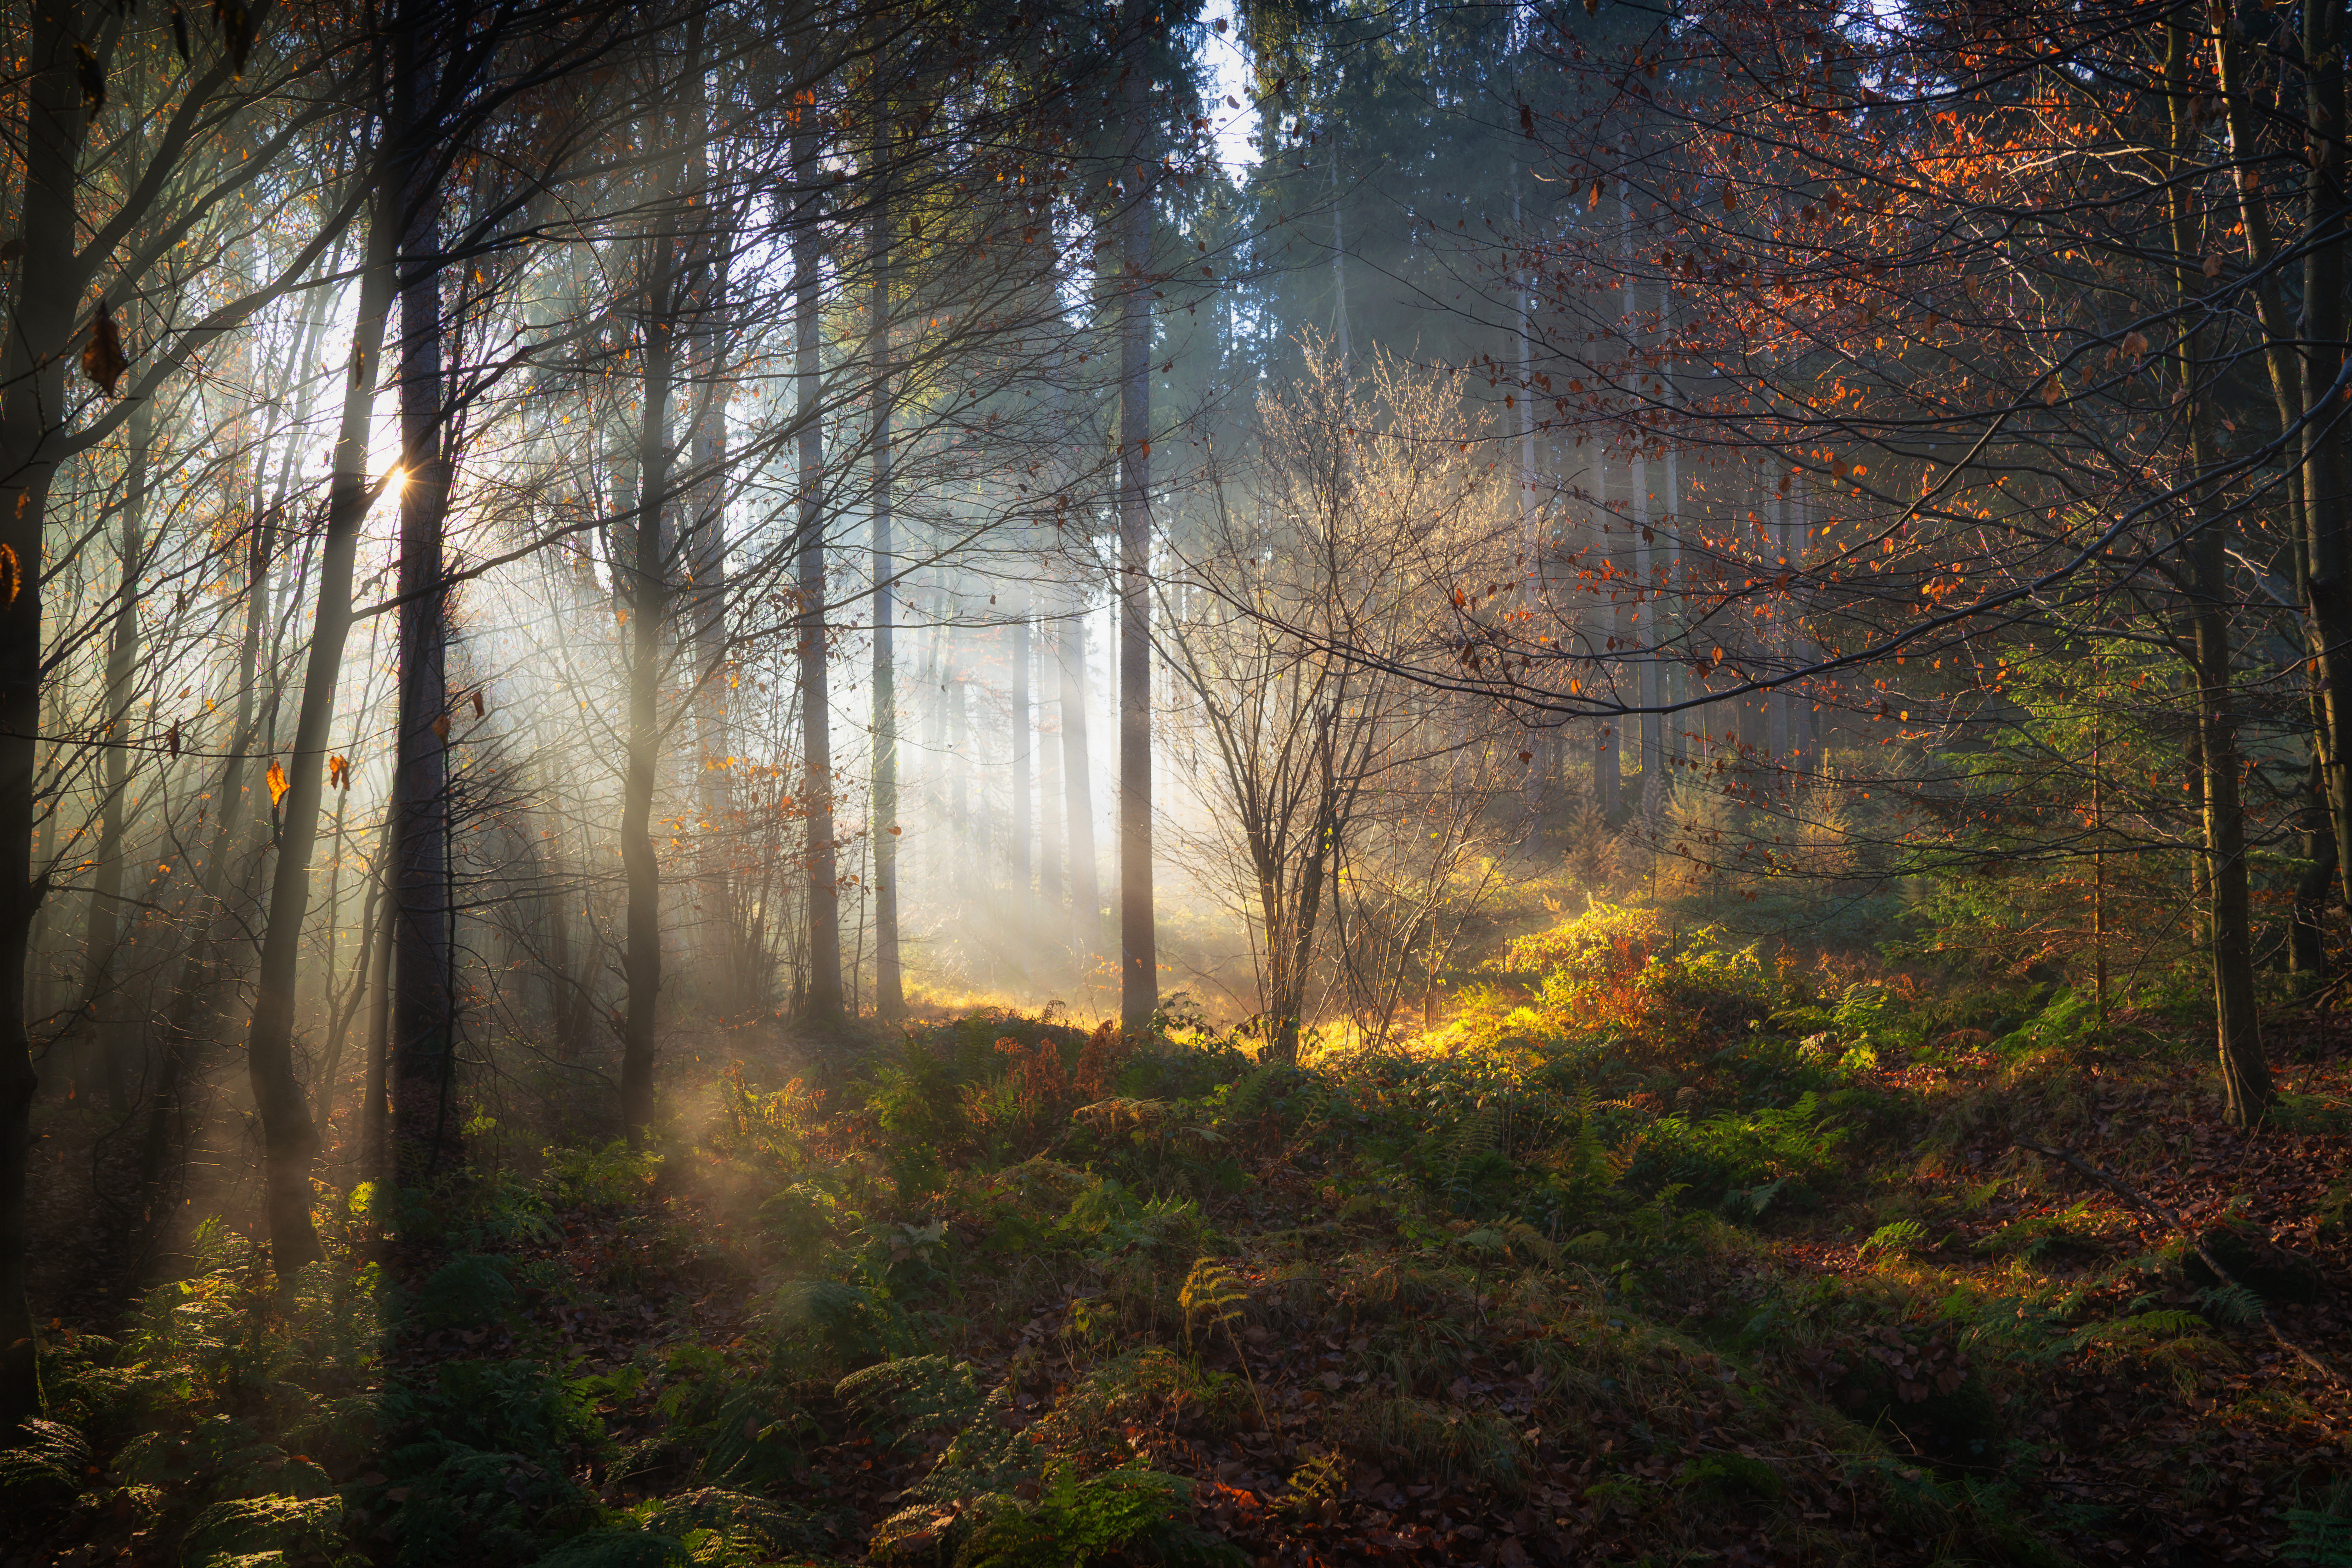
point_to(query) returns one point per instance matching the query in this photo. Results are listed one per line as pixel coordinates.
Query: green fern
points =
(1892, 1241)
(2323, 1540)
(53, 1461)
(912, 1393)
(2233, 1304)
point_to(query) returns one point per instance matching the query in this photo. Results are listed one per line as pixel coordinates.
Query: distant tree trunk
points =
(2306, 943)
(103, 938)
(1139, 944)
(823, 1006)
(289, 1139)
(423, 1012)
(889, 984)
(1022, 728)
(365, 980)
(375, 1111)
(1078, 807)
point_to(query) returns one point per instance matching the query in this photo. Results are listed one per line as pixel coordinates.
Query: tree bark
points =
(2328, 539)
(889, 982)
(2245, 1075)
(1078, 808)
(649, 611)
(1138, 946)
(44, 324)
(423, 1018)
(102, 940)
(822, 1005)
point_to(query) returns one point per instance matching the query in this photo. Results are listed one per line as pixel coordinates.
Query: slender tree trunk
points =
(102, 941)
(2307, 924)
(649, 612)
(1024, 734)
(289, 1139)
(2245, 1074)
(823, 1006)
(889, 984)
(1138, 942)
(423, 1010)
(1078, 807)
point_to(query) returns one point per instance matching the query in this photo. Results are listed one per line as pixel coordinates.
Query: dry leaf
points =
(101, 357)
(278, 785)
(12, 576)
(441, 727)
(2213, 265)
(338, 772)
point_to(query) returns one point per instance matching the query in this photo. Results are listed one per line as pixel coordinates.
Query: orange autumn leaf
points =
(278, 785)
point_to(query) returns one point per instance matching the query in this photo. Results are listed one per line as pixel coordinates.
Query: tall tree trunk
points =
(650, 610)
(289, 1139)
(2245, 1074)
(889, 984)
(423, 1010)
(102, 941)
(822, 1005)
(1138, 942)
(2326, 527)
(44, 321)
(1023, 730)
(712, 265)
(1078, 807)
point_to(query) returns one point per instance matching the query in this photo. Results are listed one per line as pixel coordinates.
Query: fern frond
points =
(1211, 1293)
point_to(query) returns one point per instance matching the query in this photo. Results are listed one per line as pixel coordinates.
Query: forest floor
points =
(1004, 1293)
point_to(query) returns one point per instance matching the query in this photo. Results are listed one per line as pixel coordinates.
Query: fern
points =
(2165, 1338)
(1214, 1293)
(54, 1459)
(2324, 1539)
(2233, 1304)
(1211, 1293)
(912, 1393)
(1892, 1241)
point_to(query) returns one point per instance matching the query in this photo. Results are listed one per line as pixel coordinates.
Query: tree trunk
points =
(1024, 729)
(649, 611)
(1138, 947)
(2245, 1075)
(1078, 808)
(45, 294)
(2328, 538)
(289, 1139)
(2306, 941)
(889, 984)
(424, 1020)
(102, 941)
(823, 1006)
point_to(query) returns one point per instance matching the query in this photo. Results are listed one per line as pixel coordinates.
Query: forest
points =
(1148, 782)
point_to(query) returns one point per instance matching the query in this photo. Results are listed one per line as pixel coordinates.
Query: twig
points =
(2149, 1206)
